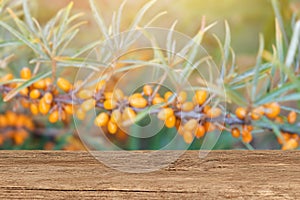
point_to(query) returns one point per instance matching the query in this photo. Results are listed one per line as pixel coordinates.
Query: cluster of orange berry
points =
(193, 117)
(39, 97)
(15, 127)
(173, 109)
(272, 111)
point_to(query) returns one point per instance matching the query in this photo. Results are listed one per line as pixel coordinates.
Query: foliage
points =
(262, 100)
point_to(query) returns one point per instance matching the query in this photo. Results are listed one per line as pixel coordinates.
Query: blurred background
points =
(247, 19)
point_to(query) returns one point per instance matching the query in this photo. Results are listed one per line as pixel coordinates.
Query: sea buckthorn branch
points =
(192, 118)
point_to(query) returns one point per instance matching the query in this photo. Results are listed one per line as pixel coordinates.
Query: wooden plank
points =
(221, 175)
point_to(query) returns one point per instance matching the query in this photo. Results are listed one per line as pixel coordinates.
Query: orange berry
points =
(11, 118)
(188, 137)
(3, 121)
(290, 145)
(178, 123)
(101, 119)
(295, 136)
(20, 121)
(100, 85)
(206, 108)
(55, 92)
(80, 114)
(63, 115)
(157, 95)
(48, 82)
(110, 104)
(108, 95)
(138, 102)
(272, 110)
(116, 116)
(118, 94)
(191, 125)
(112, 127)
(147, 89)
(209, 126)
(25, 103)
(34, 94)
(241, 113)
(168, 95)
(257, 113)
(246, 135)
(64, 84)
(292, 117)
(25, 73)
(20, 136)
(68, 108)
(182, 96)
(34, 108)
(88, 105)
(85, 94)
(213, 112)
(285, 136)
(7, 77)
(170, 121)
(187, 106)
(121, 135)
(165, 113)
(48, 98)
(135, 95)
(200, 131)
(44, 107)
(200, 97)
(40, 84)
(235, 132)
(2, 139)
(53, 117)
(158, 100)
(180, 130)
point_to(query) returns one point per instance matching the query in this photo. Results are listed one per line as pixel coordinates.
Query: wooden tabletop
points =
(221, 175)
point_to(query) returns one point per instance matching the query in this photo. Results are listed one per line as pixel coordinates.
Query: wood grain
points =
(221, 175)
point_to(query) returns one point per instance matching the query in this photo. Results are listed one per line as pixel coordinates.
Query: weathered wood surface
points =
(221, 175)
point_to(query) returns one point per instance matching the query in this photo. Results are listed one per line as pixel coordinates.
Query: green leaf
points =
(234, 96)
(226, 50)
(22, 38)
(15, 91)
(242, 79)
(99, 19)
(27, 15)
(274, 127)
(257, 66)
(11, 81)
(63, 22)
(275, 93)
(290, 109)
(86, 48)
(10, 43)
(69, 39)
(21, 25)
(293, 46)
(276, 8)
(137, 20)
(289, 97)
